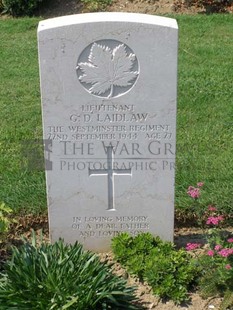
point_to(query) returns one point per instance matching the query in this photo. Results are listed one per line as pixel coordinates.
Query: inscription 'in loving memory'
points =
(100, 226)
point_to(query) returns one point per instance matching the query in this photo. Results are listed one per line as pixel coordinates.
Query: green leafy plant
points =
(170, 272)
(4, 220)
(21, 7)
(131, 252)
(227, 302)
(60, 276)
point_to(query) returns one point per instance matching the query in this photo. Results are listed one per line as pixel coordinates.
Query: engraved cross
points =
(110, 172)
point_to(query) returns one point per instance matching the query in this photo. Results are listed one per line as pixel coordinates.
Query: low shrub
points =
(170, 272)
(21, 7)
(132, 252)
(61, 277)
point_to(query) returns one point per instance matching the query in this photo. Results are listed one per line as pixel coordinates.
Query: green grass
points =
(20, 114)
(204, 119)
(205, 110)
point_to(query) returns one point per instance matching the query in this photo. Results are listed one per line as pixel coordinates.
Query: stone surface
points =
(108, 85)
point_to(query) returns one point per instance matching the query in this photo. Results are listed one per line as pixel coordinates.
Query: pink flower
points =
(218, 247)
(192, 246)
(200, 184)
(210, 253)
(228, 266)
(193, 192)
(211, 208)
(230, 240)
(225, 252)
(214, 220)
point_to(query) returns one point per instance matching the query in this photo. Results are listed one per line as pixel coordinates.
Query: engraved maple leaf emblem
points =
(107, 68)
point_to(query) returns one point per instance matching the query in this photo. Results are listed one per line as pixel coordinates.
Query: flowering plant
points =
(195, 192)
(216, 264)
(197, 209)
(192, 246)
(217, 269)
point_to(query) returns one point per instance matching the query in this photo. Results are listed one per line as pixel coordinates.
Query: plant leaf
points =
(107, 68)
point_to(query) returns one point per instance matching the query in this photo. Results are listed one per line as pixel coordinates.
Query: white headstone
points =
(108, 85)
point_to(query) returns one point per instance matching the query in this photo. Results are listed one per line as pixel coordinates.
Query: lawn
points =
(204, 119)
(205, 110)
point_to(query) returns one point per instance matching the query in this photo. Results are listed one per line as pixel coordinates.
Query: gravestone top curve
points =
(106, 17)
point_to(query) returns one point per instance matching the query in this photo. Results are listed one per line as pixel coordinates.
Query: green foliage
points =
(216, 278)
(21, 7)
(209, 282)
(61, 276)
(131, 252)
(216, 274)
(216, 265)
(4, 219)
(95, 5)
(227, 302)
(170, 272)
